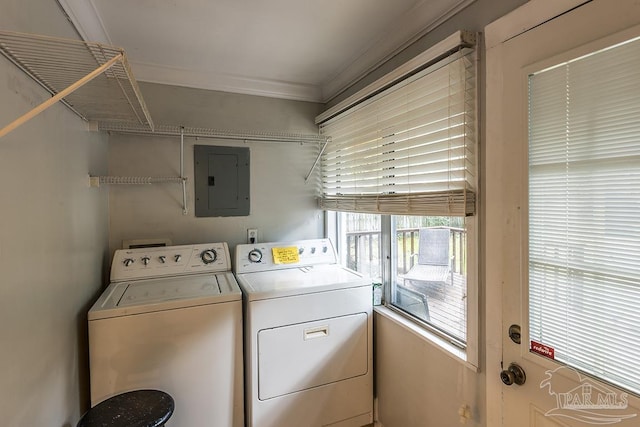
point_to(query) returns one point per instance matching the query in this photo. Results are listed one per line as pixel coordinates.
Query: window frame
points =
(469, 354)
(455, 46)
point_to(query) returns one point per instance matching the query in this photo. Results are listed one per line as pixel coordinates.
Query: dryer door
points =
(311, 354)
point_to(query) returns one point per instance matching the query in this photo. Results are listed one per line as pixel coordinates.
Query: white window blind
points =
(408, 150)
(584, 212)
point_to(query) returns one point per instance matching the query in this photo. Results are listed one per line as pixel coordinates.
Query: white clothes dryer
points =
(308, 336)
(171, 319)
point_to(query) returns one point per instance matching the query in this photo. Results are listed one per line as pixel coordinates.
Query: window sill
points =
(447, 348)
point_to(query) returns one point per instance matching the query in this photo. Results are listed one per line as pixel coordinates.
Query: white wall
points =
(53, 242)
(417, 384)
(283, 206)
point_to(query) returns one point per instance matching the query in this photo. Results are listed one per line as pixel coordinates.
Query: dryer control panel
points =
(145, 263)
(251, 258)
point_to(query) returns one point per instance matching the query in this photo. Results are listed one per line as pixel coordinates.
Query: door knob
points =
(514, 374)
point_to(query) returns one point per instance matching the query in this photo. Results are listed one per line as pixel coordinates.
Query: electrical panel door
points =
(221, 181)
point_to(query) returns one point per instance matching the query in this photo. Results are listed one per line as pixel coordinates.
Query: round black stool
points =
(139, 408)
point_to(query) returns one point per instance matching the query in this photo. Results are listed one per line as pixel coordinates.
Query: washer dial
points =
(208, 256)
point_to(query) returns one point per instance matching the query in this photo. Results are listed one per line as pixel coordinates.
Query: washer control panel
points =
(251, 258)
(143, 263)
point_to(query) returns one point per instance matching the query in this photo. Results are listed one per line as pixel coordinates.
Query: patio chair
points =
(434, 260)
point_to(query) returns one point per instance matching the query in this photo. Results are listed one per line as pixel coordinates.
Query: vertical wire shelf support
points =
(96, 181)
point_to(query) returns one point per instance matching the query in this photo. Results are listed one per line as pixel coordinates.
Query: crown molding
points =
(524, 18)
(456, 40)
(85, 19)
(415, 23)
(175, 76)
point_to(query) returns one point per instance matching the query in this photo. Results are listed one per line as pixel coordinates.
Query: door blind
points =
(584, 204)
(408, 150)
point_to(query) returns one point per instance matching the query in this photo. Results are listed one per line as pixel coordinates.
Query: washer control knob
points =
(300, 250)
(162, 259)
(208, 256)
(177, 258)
(128, 261)
(145, 260)
(255, 255)
(313, 249)
(324, 249)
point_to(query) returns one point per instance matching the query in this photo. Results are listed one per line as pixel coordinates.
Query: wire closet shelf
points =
(95, 81)
(92, 79)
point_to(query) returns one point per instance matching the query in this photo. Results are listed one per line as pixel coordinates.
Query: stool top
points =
(139, 408)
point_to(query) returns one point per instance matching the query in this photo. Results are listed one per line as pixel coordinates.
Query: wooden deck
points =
(447, 304)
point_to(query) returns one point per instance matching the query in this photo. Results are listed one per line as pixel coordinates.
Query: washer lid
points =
(143, 296)
(297, 281)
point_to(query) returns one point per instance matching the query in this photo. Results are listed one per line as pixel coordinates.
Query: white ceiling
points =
(294, 49)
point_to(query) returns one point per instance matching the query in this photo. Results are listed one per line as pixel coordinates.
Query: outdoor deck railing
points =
(364, 252)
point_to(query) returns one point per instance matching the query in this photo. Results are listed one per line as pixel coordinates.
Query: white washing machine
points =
(308, 336)
(171, 319)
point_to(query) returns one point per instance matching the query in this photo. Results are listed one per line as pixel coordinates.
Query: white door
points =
(539, 35)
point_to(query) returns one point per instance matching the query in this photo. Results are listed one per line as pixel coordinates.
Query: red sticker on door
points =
(543, 350)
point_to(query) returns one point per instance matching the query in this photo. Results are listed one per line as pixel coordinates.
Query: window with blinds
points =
(401, 160)
(409, 149)
(584, 205)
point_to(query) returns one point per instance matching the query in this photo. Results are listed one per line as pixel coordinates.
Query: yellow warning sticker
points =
(286, 255)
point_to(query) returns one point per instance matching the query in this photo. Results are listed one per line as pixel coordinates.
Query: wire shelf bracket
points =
(96, 181)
